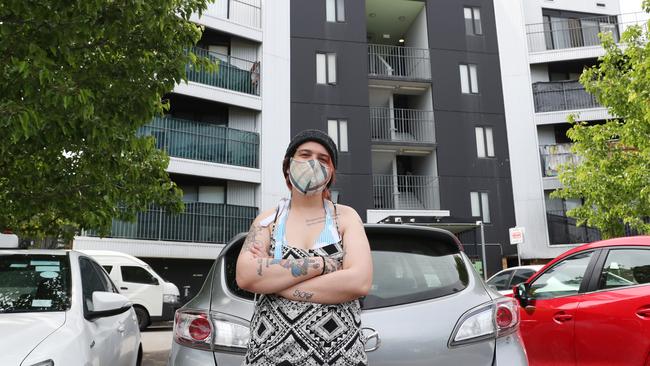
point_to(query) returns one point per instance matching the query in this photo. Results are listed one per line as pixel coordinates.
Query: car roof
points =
(35, 251)
(103, 254)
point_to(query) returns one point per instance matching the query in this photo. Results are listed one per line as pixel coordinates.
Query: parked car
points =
(153, 298)
(590, 306)
(427, 304)
(60, 307)
(503, 281)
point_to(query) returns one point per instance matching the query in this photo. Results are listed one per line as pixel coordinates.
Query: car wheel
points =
(143, 317)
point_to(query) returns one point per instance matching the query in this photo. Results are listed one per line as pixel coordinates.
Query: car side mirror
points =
(520, 293)
(107, 304)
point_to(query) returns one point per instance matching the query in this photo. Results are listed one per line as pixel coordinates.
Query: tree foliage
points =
(78, 78)
(613, 176)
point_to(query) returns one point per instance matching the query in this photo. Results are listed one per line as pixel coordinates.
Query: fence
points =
(201, 222)
(562, 96)
(399, 62)
(401, 125)
(232, 73)
(406, 192)
(555, 155)
(204, 141)
(563, 230)
(245, 12)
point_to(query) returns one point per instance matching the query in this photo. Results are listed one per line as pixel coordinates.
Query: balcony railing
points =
(232, 73)
(245, 12)
(406, 192)
(562, 96)
(386, 61)
(563, 230)
(401, 125)
(560, 33)
(555, 155)
(200, 223)
(204, 141)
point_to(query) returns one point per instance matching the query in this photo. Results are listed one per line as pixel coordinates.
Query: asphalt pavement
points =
(156, 343)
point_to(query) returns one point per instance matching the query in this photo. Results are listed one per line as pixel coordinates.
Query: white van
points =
(153, 298)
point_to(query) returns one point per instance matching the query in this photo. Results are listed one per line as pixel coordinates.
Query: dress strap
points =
(280, 223)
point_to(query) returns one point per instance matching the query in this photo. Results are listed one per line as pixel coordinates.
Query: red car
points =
(590, 306)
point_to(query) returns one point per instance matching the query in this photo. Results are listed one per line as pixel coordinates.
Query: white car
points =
(59, 307)
(506, 279)
(153, 298)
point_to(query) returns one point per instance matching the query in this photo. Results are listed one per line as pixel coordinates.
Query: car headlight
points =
(169, 298)
(44, 363)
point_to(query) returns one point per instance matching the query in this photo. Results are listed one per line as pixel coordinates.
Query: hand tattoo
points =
(303, 295)
(297, 267)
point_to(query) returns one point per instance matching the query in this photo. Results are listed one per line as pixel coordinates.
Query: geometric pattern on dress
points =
(297, 333)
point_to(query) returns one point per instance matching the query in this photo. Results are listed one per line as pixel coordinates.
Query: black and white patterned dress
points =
(294, 333)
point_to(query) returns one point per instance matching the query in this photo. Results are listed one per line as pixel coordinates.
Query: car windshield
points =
(34, 283)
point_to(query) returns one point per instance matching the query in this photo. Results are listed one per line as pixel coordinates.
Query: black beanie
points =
(313, 135)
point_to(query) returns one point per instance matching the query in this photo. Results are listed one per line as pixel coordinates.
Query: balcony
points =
(204, 141)
(406, 192)
(562, 33)
(232, 73)
(400, 125)
(401, 63)
(563, 230)
(562, 96)
(553, 156)
(243, 12)
(200, 223)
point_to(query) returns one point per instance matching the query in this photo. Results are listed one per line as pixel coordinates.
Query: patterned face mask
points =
(308, 177)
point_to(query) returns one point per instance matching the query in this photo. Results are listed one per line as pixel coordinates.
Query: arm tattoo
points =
(297, 267)
(303, 295)
(331, 265)
(253, 237)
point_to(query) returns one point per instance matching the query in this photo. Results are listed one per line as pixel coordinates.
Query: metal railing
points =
(562, 33)
(201, 222)
(562, 96)
(564, 230)
(399, 62)
(402, 125)
(204, 141)
(553, 156)
(232, 73)
(245, 12)
(406, 192)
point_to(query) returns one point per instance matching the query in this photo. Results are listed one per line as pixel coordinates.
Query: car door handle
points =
(562, 317)
(373, 334)
(643, 312)
(124, 288)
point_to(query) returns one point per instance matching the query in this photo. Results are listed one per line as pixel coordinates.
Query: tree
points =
(613, 176)
(78, 78)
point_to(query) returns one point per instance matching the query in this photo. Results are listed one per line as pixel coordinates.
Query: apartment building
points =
(411, 92)
(544, 46)
(225, 133)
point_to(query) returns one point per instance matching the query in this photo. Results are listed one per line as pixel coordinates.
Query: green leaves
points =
(77, 79)
(613, 177)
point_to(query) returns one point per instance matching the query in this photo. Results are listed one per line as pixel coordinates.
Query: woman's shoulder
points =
(346, 213)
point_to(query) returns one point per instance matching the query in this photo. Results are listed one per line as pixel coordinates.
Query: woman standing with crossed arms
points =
(310, 260)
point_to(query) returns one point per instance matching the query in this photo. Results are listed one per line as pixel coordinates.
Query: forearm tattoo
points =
(254, 237)
(331, 265)
(303, 295)
(297, 267)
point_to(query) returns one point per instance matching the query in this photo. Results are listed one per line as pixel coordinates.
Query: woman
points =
(310, 261)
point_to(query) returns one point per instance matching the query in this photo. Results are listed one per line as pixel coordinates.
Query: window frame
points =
(338, 7)
(337, 138)
(471, 81)
(593, 285)
(587, 279)
(154, 283)
(327, 73)
(510, 272)
(486, 142)
(473, 10)
(481, 194)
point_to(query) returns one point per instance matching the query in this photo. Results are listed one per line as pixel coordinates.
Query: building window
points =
(473, 21)
(326, 68)
(480, 206)
(338, 131)
(468, 79)
(484, 142)
(335, 10)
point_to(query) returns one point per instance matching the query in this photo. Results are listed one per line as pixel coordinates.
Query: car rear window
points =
(31, 283)
(409, 266)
